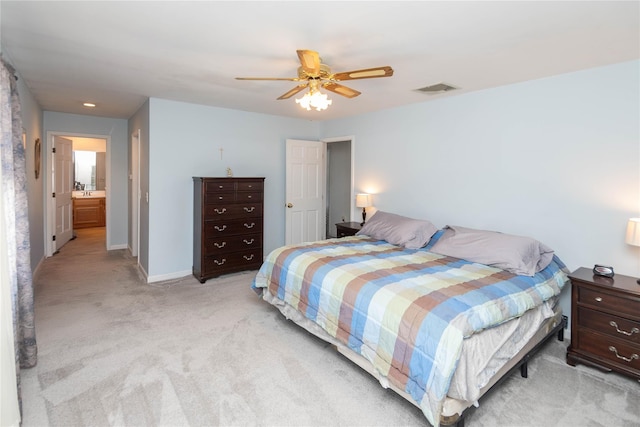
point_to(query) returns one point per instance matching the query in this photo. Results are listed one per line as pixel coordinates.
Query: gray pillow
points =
(516, 254)
(398, 230)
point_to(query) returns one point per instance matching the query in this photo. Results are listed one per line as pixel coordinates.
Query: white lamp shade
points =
(363, 200)
(633, 232)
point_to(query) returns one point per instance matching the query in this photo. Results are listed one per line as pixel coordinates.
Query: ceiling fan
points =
(315, 75)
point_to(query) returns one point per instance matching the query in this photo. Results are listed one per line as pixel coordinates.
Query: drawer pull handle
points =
(248, 242)
(220, 245)
(220, 186)
(248, 197)
(220, 262)
(633, 331)
(217, 227)
(599, 299)
(249, 210)
(626, 359)
(248, 258)
(249, 225)
(220, 211)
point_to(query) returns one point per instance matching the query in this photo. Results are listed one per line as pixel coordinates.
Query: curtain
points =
(16, 222)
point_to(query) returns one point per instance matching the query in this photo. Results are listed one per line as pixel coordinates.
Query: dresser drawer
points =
(248, 197)
(625, 329)
(613, 350)
(234, 261)
(232, 243)
(604, 300)
(229, 211)
(215, 229)
(255, 186)
(219, 198)
(219, 186)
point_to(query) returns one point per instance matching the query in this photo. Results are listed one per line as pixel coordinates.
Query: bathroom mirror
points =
(89, 170)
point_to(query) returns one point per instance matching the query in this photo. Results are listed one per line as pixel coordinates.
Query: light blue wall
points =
(185, 141)
(557, 159)
(118, 159)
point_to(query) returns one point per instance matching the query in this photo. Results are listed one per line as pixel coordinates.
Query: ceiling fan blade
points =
(310, 61)
(289, 79)
(341, 90)
(367, 73)
(293, 91)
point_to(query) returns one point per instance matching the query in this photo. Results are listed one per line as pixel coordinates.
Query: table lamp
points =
(633, 233)
(363, 201)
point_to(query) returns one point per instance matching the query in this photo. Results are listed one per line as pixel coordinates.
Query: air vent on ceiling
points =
(437, 88)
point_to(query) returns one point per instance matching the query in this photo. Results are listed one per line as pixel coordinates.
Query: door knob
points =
(289, 205)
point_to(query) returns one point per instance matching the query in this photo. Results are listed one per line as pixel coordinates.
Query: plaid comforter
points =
(406, 311)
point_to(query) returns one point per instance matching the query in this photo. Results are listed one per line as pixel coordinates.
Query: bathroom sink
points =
(90, 194)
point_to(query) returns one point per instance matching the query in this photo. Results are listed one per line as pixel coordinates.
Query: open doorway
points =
(85, 182)
(339, 190)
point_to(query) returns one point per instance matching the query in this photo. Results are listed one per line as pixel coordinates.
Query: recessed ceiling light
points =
(89, 104)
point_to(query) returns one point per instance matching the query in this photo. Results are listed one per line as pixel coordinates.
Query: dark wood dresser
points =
(344, 229)
(605, 322)
(227, 225)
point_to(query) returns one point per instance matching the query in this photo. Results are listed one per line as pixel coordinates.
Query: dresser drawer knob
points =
(626, 359)
(248, 258)
(220, 211)
(248, 242)
(220, 262)
(599, 299)
(249, 210)
(220, 245)
(217, 227)
(633, 331)
(249, 225)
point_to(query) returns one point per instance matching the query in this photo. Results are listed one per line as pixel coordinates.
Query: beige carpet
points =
(114, 351)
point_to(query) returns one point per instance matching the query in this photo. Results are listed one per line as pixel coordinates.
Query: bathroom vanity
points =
(89, 212)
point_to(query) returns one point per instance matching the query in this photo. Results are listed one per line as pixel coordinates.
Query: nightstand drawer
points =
(623, 354)
(618, 327)
(607, 301)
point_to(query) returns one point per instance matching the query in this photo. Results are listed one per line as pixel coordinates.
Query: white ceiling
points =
(117, 54)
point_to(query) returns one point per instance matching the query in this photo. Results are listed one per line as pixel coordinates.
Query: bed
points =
(439, 330)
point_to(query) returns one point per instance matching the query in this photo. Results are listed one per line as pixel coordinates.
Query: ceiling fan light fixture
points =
(314, 99)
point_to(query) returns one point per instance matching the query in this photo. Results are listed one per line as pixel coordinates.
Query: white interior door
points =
(63, 187)
(305, 185)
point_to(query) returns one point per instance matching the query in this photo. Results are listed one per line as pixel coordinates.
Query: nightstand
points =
(347, 228)
(605, 322)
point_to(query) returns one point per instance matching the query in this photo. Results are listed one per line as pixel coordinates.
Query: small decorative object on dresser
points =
(344, 229)
(605, 322)
(227, 225)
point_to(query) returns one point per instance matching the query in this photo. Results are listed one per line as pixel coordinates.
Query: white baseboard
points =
(114, 247)
(169, 276)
